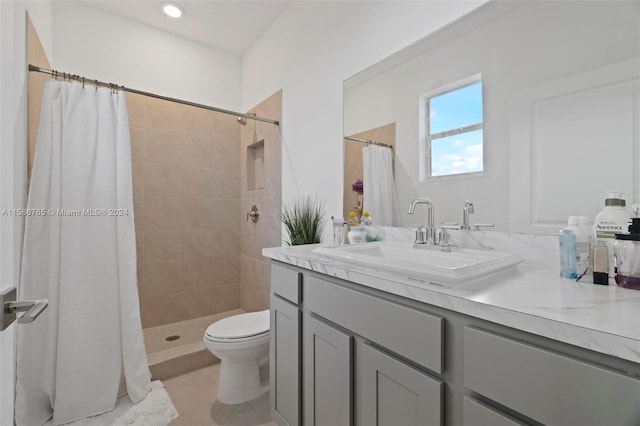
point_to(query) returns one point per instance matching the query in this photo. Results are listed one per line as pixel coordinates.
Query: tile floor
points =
(193, 395)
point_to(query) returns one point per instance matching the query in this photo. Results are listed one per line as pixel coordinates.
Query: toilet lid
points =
(240, 326)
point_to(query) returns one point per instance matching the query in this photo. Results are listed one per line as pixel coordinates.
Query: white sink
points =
(431, 265)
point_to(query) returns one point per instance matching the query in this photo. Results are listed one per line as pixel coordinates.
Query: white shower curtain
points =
(379, 187)
(87, 347)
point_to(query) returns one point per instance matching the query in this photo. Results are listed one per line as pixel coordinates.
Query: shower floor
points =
(177, 348)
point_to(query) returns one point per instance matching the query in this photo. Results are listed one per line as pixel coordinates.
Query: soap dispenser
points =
(627, 256)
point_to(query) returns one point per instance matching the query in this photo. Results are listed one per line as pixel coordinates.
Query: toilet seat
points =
(241, 343)
(239, 328)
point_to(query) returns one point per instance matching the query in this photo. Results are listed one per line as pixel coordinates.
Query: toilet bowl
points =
(242, 344)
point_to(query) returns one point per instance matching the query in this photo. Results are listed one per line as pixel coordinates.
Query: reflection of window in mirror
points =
(453, 136)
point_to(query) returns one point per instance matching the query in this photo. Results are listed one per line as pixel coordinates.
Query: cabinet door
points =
(285, 371)
(328, 376)
(395, 394)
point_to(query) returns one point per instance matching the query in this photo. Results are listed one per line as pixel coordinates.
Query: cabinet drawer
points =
(546, 386)
(286, 283)
(475, 413)
(412, 334)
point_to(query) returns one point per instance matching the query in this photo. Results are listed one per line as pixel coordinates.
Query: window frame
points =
(426, 138)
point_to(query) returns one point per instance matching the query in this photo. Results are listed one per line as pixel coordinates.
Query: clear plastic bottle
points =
(366, 219)
(353, 219)
(567, 239)
(582, 229)
(338, 231)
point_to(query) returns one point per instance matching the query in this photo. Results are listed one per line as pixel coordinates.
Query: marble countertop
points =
(530, 297)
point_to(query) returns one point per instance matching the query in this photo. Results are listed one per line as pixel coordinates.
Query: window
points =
(454, 130)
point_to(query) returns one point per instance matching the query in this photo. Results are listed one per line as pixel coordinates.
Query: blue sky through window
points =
(461, 153)
(457, 154)
(459, 108)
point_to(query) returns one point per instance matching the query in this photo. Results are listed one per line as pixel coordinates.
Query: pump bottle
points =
(612, 220)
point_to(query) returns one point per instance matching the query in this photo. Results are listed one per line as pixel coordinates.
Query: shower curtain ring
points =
(96, 85)
(83, 82)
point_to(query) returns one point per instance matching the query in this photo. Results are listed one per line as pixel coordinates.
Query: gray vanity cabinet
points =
(285, 346)
(345, 354)
(395, 394)
(352, 343)
(328, 375)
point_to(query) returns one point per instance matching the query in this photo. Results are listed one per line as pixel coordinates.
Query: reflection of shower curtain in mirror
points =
(379, 185)
(71, 361)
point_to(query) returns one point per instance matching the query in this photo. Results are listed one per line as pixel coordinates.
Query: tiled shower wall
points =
(353, 163)
(261, 186)
(186, 187)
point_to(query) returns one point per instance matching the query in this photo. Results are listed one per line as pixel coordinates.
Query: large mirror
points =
(530, 110)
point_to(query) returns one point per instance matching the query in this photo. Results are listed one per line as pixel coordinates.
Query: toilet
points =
(242, 344)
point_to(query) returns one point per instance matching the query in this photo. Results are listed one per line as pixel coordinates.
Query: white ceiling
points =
(230, 25)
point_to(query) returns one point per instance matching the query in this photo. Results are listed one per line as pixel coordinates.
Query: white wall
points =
(101, 45)
(13, 165)
(308, 52)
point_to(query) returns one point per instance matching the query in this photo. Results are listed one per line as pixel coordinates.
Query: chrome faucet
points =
(467, 209)
(430, 230)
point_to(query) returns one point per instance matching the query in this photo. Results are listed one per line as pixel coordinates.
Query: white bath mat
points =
(156, 409)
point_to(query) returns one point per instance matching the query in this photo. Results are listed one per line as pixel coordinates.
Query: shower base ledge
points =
(170, 358)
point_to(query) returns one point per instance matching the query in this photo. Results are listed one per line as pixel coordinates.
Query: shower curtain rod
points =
(97, 83)
(368, 141)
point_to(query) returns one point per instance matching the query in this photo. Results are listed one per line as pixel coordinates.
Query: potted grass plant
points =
(304, 220)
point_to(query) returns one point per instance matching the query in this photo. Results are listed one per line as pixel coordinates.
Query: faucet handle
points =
(453, 226)
(443, 236)
(483, 225)
(420, 235)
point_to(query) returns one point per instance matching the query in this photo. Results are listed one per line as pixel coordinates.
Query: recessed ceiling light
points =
(172, 10)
